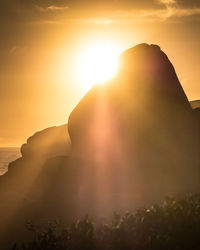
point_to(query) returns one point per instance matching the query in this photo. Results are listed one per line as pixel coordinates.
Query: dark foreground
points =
(172, 225)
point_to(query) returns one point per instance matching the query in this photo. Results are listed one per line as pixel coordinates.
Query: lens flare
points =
(97, 64)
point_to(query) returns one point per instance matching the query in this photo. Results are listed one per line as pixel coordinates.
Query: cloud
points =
(55, 12)
(99, 20)
(185, 12)
(147, 16)
(167, 2)
(45, 22)
(172, 11)
(52, 7)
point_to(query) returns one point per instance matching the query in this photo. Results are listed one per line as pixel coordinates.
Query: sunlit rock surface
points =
(134, 140)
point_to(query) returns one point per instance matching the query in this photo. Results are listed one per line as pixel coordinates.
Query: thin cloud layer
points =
(167, 2)
(170, 11)
(30, 10)
(53, 7)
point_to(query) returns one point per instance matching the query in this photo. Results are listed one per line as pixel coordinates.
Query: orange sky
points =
(41, 40)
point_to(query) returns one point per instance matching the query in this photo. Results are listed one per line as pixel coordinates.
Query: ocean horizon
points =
(7, 155)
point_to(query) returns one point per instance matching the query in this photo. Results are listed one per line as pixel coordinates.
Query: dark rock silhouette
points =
(196, 110)
(49, 142)
(140, 125)
(136, 137)
(22, 188)
(195, 104)
(41, 146)
(134, 140)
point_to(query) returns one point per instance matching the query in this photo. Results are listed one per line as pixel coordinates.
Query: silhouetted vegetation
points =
(172, 225)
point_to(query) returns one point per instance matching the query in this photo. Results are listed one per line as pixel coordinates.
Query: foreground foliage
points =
(172, 226)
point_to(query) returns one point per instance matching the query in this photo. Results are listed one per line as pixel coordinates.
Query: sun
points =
(97, 64)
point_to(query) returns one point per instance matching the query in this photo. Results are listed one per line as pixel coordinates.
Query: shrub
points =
(173, 225)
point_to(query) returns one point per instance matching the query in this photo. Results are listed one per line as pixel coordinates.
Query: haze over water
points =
(8, 155)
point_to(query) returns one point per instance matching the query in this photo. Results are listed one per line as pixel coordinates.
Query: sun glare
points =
(97, 64)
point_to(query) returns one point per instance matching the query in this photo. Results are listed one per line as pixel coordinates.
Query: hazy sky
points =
(41, 39)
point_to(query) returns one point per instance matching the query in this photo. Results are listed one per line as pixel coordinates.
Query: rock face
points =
(195, 104)
(144, 100)
(41, 146)
(134, 140)
(25, 190)
(137, 134)
(196, 110)
(47, 143)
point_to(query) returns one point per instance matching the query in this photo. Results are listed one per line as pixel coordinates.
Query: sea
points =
(6, 156)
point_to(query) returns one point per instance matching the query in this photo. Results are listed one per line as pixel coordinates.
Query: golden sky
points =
(41, 41)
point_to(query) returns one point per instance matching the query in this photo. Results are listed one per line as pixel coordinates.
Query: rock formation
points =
(23, 189)
(47, 143)
(134, 140)
(137, 134)
(196, 110)
(195, 104)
